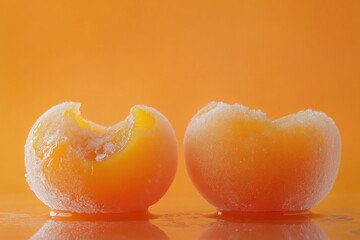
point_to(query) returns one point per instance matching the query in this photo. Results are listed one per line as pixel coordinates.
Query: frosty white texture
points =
(232, 145)
(63, 148)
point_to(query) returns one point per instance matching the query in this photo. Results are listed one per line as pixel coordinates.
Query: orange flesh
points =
(77, 166)
(240, 160)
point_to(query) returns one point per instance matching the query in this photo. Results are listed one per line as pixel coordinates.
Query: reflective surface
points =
(338, 217)
(278, 56)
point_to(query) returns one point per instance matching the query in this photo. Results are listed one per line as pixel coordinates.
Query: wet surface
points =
(21, 218)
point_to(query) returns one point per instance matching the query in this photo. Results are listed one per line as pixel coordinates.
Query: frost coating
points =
(87, 140)
(239, 159)
(68, 160)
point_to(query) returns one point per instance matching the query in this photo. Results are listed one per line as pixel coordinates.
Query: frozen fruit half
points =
(78, 166)
(240, 160)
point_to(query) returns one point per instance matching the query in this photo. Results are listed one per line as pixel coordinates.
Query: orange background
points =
(278, 56)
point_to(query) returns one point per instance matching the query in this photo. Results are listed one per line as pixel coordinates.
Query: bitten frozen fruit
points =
(77, 166)
(242, 161)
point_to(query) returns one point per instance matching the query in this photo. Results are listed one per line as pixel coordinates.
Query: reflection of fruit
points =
(264, 230)
(77, 166)
(99, 230)
(240, 160)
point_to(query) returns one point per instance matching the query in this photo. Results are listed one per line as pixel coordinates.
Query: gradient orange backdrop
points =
(176, 56)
